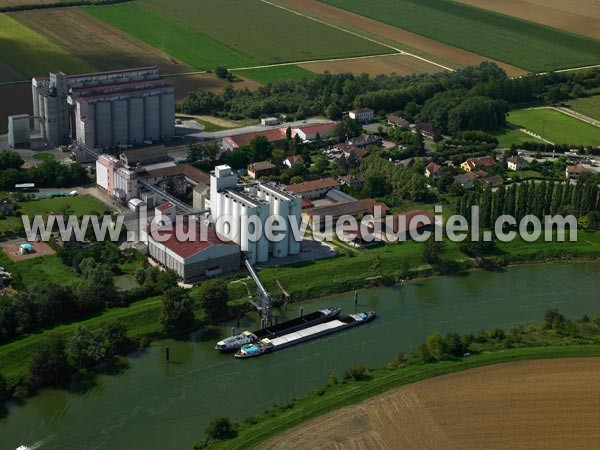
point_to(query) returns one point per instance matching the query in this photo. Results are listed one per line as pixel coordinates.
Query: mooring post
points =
(301, 311)
(167, 354)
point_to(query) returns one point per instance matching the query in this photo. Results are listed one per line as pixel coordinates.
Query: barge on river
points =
(289, 326)
(268, 345)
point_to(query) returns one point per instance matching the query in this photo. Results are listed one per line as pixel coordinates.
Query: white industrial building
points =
(18, 130)
(105, 109)
(232, 205)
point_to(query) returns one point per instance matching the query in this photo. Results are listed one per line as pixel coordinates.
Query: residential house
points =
(260, 169)
(428, 130)
(493, 180)
(397, 121)
(314, 188)
(573, 172)
(354, 180)
(290, 161)
(466, 180)
(433, 171)
(365, 115)
(364, 140)
(483, 162)
(516, 163)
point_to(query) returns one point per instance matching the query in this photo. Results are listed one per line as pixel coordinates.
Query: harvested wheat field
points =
(436, 51)
(207, 82)
(544, 404)
(398, 64)
(96, 42)
(577, 16)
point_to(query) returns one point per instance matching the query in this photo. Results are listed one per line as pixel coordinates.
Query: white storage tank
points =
(103, 124)
(120, 134)
(152, 118)
(167, 115)
(135, 120)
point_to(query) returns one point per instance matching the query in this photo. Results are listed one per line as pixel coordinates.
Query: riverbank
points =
(351, 269)
(255, 431)
(542, 403)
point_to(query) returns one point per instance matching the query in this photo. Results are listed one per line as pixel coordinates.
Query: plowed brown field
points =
(96, 42)
(399, 64)
(545, 404)
(577, 16)
(187, 83)
(428, 48)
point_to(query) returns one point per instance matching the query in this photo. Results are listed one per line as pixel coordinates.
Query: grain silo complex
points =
(104, 109)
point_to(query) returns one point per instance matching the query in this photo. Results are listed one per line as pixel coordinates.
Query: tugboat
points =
(299, 323)
(267, 345)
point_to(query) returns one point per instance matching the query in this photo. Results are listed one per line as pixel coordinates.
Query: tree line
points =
(538, 199)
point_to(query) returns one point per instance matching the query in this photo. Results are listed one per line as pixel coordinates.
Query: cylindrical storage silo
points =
(262, 246)
(36, 106)
(152, 118)
(120, 134)
(246, 244)
(167, 115)
(103, 124)
(294, 216)
(135, 120)
(280, 248)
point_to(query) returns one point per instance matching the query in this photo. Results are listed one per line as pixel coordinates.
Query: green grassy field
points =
(507, 137)
(555, 126)
(526, 175)
(32, 54)
(588, 106)
(270, 74)
(263, 31)
(523, 44)
(44, 156)
(170, 36)
(380, 381)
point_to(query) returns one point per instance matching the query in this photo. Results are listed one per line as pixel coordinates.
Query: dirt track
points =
(399, 64)
(545, 404)
(437, 51)
(577, 16)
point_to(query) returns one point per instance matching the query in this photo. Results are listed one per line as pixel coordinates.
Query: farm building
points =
(310, 132)
(205, 254)
(274, 136)
(400, 226)
(365, 115)
(143, 156)
(315, 188)
(104, 109)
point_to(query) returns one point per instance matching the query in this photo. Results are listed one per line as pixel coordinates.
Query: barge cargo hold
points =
(289, 326)
(268, 345)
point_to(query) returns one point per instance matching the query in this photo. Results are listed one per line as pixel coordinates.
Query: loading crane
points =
(264, 304)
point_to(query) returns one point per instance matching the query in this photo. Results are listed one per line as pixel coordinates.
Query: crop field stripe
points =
(345, 30)
(270, 74)
(525, 44)
(191, 47)
(269, 34)
(558, 127)
(32, 54)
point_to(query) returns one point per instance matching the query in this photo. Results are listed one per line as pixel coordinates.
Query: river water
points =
(152, 404)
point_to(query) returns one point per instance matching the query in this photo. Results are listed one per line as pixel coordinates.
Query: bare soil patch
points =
(577, 16)
(428, 48)
(11, 249)
(399, 64)
(14, 99)
(205, 81)
(545, 404)
(96, 42)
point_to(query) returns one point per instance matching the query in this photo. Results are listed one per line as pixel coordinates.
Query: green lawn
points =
(588, 106)
(270, 74)
(40, 270)
(526, 175)
(556, 126)
(171, 36)
(84, 204)
(32, 54)
(507, 137)
(44, 156)
(263, 31)
(523, 44)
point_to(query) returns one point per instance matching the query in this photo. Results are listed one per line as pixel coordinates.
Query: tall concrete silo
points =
(167, 115)
(152, 118)
(281, 248)
(262, 246)
(120, 134)
(135, 119)
(294, 216)
(103, 124)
